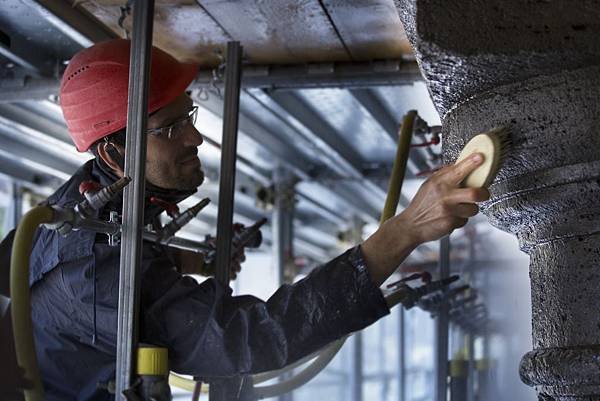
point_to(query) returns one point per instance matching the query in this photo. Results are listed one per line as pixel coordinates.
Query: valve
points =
(409, 296)
(179, 219)
(96, 196)
(432, 303)
(83, 215)
(243, 237)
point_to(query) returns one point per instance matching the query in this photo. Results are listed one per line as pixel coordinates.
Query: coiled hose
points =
(322, 358)
(20, 295)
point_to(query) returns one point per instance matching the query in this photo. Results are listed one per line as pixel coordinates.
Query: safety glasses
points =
(177, 128)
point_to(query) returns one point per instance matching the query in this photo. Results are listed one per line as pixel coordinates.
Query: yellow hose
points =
(184, 383)
(399, 169)
(21, 298)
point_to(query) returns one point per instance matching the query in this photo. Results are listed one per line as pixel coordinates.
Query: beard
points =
(174, 177)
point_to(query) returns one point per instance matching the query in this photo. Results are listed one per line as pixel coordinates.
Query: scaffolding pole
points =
(133, 196)
(282, 234)
(442, 327)
(219, 391)
(401, 355)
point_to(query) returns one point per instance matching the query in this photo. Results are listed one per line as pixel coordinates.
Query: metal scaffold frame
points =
(231, 105)
(442, 327)
(133, 198)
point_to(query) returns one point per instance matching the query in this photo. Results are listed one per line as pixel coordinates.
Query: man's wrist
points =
(387, 248)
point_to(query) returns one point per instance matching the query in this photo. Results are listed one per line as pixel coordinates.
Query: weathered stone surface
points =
(533, 67)
(467, 47)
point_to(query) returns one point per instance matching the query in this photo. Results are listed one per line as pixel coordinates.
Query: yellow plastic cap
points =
(152, 361)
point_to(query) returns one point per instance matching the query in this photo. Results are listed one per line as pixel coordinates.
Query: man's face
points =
(172, 163)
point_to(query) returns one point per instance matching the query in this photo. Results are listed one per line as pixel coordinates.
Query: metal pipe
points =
(179, 243)
(399, 169)
(282, 234)
(133, 197)
(21, 60)
(218, 392)
(356, 375)
(442, 327)
(228, 157)
(402, 355)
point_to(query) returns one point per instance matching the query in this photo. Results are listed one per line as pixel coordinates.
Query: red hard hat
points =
(93, 91)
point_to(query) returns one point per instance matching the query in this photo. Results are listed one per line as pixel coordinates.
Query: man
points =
(208, 332)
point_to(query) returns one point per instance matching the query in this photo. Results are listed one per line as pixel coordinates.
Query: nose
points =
(192, 137)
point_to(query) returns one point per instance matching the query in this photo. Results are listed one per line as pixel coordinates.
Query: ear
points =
(112, 155)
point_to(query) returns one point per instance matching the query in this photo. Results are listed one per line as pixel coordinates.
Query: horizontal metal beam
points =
(369, 100)
(23, 60)
(338, 155)
(294, 76)
(30, 172)
(323, 75)
(286, 154)
(72, 21)
(262, 135)
(33, 156)
(21, 89)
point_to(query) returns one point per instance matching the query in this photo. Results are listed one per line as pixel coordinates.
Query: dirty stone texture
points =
(548, 194)
(467, 47)
(534, 67)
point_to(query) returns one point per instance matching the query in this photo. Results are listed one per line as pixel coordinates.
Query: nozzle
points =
(180, 220)
(97, 197)
(435, 286)
(194, 210)
(250, 237)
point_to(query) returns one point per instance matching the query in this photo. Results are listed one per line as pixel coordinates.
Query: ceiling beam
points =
(354, 74)
(337, 155)
(370, 101)
(72, 21)
(24, 61)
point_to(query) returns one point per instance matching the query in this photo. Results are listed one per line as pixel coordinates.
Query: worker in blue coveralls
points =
(74, 279)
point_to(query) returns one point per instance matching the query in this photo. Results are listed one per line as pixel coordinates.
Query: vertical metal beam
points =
(471, 367)
(401, 355)
(356, 376)
(231, 108)
(133, 198)
(283, 231)
(282, 220)
(442, 327)
(17, 197)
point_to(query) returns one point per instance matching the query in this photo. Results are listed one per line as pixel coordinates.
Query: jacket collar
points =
(97, 171)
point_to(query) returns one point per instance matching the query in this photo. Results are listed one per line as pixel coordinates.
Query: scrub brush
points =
(493, 145)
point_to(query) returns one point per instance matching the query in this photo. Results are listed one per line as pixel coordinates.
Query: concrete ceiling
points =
(272, 32)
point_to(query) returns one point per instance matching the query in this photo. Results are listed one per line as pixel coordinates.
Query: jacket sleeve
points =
(210, 333)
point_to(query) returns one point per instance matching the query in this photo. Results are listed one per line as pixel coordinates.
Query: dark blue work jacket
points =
(208, 332)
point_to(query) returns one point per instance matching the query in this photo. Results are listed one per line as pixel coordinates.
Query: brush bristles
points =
(502, 137)
(494, 145)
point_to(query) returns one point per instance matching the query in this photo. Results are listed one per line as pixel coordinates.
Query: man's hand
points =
(439, 207)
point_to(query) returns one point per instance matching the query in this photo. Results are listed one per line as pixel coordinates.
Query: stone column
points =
(548, 195)
(533, 67)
